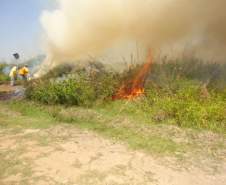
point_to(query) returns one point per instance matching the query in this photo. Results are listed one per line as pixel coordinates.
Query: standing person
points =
(13, 75)
(24, 73)
(14, 70)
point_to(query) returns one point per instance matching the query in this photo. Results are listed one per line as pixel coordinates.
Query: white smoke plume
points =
(82, 27)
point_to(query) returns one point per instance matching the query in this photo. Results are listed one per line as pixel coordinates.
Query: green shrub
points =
(3, 76)
(79, 88)
(173, 95)
(68, 92)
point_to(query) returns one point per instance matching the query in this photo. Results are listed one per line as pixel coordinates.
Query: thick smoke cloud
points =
(81, 27)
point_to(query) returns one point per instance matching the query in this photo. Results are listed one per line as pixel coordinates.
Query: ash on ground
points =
(8, 92)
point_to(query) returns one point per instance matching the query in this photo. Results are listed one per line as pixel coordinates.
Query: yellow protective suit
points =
(24, 71)
(13, 75)
(13, 72)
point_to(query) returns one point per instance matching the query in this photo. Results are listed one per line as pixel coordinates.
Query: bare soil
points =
(64, 155)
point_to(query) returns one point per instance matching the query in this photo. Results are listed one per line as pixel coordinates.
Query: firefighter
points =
(13, 75)
(24, 73)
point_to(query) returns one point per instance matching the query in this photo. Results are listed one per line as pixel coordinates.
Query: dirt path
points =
(64, 155)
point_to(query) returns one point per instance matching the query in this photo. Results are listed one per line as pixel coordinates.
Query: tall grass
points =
(211, 74)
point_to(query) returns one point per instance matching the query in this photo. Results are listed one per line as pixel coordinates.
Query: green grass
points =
(120, 121)
(32, 115)
(183, 104)
(135, 139)
(24, 115)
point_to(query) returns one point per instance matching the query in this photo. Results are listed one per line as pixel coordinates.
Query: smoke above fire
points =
(78, 28)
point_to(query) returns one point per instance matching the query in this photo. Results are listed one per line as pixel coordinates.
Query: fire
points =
(135, 88)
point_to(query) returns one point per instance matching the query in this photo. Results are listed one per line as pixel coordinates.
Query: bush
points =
(68, 92)
(80, 88)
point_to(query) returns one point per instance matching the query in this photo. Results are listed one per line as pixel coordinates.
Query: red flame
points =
(135, 87)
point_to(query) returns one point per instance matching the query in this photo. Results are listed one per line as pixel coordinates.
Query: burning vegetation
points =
(135, 87)
(173, 91)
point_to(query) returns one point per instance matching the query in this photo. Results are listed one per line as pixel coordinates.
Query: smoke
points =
(89, 27)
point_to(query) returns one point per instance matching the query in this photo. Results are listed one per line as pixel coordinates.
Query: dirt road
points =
(64, 155)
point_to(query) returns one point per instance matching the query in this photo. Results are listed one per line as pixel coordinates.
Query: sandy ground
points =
(7, 88)
(64, 155)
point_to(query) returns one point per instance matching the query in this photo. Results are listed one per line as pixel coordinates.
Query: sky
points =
(20, 27)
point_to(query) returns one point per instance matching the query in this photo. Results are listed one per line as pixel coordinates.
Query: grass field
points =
(118, 125)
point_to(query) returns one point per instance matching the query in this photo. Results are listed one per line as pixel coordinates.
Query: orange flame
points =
(135, 88)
